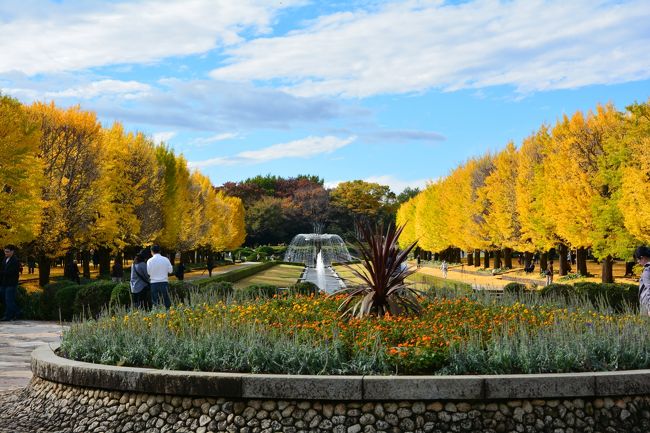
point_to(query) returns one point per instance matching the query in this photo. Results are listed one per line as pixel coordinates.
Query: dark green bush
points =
(65, 300)
(266, 250)
(617, 296)
(304, 288)
(49, 309)
(514, 288)
(179, 291)
(257, 291)
(121, 295)
(29, 304)
(223, 289)
(92, 298)
(557, 290)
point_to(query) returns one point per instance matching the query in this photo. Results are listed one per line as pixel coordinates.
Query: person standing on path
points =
(549, 273)
(444, 267)
(209, 264)
(9, 283)
(159, 268)
(139, 282)
(642, 255)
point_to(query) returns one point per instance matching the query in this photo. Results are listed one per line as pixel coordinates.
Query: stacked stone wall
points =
(46, 406)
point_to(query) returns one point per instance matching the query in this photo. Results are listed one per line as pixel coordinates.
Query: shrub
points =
(266, 250)
(383, 290)
(618, 296)
(256, 291)
(179, 291)
(65, 300)
(121, 295)
(514, 288)
(557, 290)
(304, 288)
(29, 303)
(215, 290)
(91, 299)
(49, 309)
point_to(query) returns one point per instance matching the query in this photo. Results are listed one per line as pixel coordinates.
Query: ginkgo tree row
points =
(70, 186)
(583, 183)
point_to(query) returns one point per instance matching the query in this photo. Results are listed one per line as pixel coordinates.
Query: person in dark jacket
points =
(9, 283)
(180, 271)
(209, 264)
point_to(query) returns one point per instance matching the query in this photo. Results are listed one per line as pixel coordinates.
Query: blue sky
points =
(397, 92)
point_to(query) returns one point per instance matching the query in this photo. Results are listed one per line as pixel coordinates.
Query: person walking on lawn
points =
(159, 268)
(9, 283)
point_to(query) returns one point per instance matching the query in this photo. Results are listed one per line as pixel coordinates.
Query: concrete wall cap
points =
(47, 365)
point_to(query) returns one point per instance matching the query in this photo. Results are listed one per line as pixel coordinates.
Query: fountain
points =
(304, 248)
(318, 252)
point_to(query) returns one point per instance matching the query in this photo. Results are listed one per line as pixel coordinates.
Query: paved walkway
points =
(17, 340)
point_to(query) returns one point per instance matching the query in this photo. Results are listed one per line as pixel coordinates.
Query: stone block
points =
(301, 387)
(633, 382)
(537, 386)
(422, 387)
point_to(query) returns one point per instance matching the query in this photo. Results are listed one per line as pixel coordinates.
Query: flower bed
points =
(305, 335)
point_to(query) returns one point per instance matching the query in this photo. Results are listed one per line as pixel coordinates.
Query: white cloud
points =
(163, 136)
(303, 148)
(397, 185)
(46, 37)
(413, 46)
(123, 89)
(202, 141)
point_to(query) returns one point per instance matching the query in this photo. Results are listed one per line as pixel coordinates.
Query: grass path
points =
(279, 275)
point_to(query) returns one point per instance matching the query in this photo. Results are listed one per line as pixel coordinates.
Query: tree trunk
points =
(67, 263)
(85, 259)
(486, 259)
(477, 258)
(44, 266)
(629, 269)
(564, 263)
(497, 259)
(470, 259)
(581, 261)
(507, 258)
(607, 275)
(543, 262)
(104, 259)
(528, 259)
(436, 257)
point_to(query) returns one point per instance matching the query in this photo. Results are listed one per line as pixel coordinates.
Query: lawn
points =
(280, 276)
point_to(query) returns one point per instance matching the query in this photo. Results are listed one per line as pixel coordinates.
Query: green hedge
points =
(92, 298)
(617, 295)
(257, 291)
(514, 288)
(121, 295)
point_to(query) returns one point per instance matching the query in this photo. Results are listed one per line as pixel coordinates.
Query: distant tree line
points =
(70, 185)
(278, 208)
(581, 184)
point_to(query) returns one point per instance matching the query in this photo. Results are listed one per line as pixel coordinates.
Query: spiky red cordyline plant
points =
(383, 289)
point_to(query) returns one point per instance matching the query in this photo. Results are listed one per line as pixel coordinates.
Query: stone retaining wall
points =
(58, 401)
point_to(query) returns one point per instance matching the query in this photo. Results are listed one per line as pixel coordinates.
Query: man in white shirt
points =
(159, 268)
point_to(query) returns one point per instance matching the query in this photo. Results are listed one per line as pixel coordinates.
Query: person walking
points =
(642, 255)
(549, 273)
(9, 275)
(159, 268)
(209, 264)
(140, 285)
(180, 271)
(444, 267)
